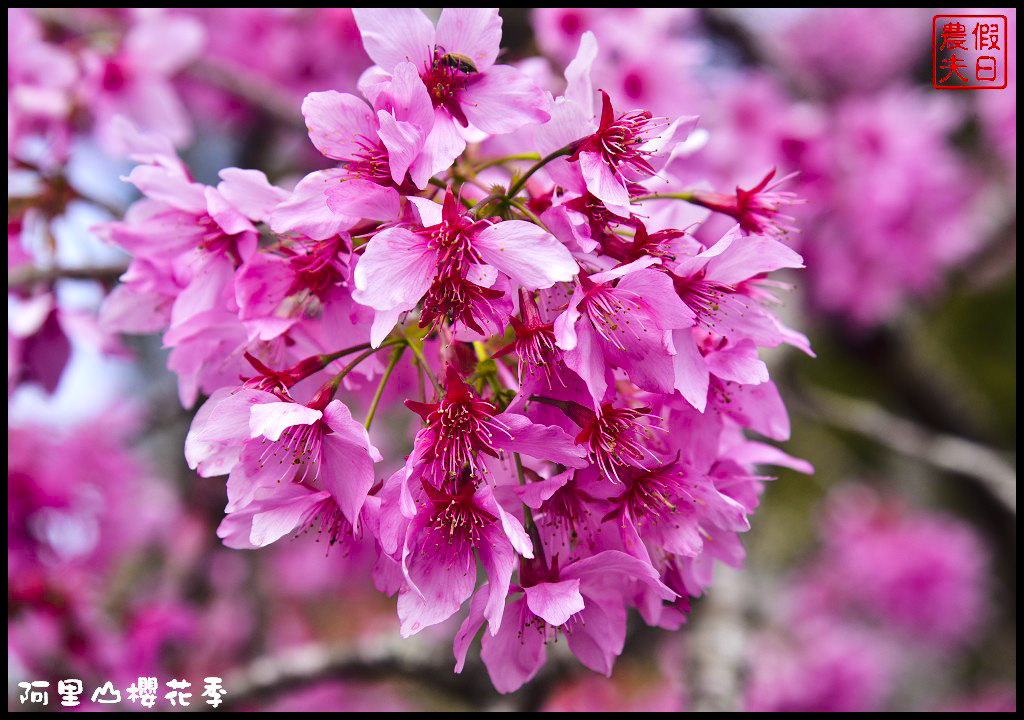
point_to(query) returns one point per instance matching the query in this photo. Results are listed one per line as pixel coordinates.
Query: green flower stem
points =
(685, 196)
(396, 355)
(521, 182)
(507, 159)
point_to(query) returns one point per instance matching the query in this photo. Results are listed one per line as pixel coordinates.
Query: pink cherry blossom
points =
(451, 261)
(456, 64)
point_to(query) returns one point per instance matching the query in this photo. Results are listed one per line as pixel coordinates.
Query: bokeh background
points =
(885, 580)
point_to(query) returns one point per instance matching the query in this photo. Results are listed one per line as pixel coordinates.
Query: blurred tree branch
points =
(260, 92)
(299, 668)
(717, 646)
(296, 669)
(945, 452)
(29, 276)
(269, 97)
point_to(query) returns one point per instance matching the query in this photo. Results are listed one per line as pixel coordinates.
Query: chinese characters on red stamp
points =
(969, 52)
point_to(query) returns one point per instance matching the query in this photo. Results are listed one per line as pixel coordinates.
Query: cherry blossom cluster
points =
(853, 126)
(892, 588)
(581, 373)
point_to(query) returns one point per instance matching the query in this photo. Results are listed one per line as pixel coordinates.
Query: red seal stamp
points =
(969, 52)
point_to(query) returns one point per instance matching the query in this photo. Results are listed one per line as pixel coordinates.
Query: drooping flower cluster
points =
(521, 267)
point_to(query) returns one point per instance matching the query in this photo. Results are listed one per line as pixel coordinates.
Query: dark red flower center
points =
(445, 77)
(619, 141)
(453, 296)
(455, 512)
(317, 266)
(462, 424)
(614, 437)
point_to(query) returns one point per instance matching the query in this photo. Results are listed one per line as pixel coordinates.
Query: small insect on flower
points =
(458, 62)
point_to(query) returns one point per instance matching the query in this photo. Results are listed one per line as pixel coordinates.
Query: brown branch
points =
(273, 675)
(295, 669)
(30, 276)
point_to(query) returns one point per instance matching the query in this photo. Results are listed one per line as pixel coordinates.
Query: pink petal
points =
(348, 458)
(129, 310)
(429, 212)
(405, 98)
(511, 526)
(206, 295)
(515, 654)
(474, 33)
(339, 418)
(403, 141)
(273, 418)
(219, 429)
(758, 407)
(746, 257)
(361, 198)
(568, 123)
(599, 636)
(235, 530)
(259, 470)
(555, 602)
(442, 587)
(338, 122)
(588, 361)
(306, 211)
(612, 567)
(646, 360)
(225, 214)
(569, 227)
(657, 291)
(250, 192)
(395, 35)
(544, 442)
(154, 104)
(755, 453)
(534, 494)
(691, 371)
(527, 253)
(393, 523)
(442, 146)
(348, 474)
(470, 627)
(579, 88)
(395, 271)
(384, 322)
(165, 44)
(739, 363)
(168, 186)
(284, 513)
(622, 270)
(504, 99)
(604, 184)
(499, 562)
(670, 141)
(261, 285)
(565, 324)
